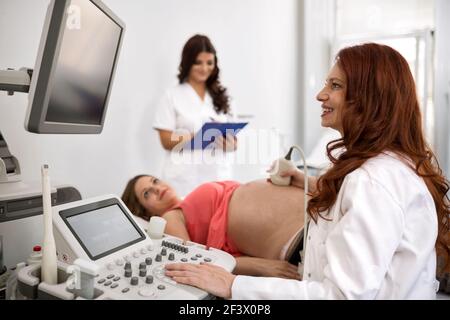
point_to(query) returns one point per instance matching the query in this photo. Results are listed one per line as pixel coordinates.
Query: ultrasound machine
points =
(98, 243)
(118, 255)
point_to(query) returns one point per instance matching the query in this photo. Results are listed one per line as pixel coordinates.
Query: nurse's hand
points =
(228, 145)
(175, 141)
(205, 276)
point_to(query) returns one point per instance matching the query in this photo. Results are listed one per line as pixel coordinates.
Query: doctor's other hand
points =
(280, 269)
(205, 276)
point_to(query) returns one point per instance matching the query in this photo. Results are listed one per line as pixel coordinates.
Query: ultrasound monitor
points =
(102, 228)
(75, 66)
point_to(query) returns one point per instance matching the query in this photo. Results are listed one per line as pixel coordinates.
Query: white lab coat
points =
(378, 245)
(181, 110)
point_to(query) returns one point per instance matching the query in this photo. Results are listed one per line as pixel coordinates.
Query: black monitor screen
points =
(103, 231)
(84, 66)
(75, 66)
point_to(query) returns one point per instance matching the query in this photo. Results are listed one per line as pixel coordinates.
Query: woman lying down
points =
(259, 223)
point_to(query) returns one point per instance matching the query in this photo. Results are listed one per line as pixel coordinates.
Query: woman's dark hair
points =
(193, 47)
(131, 201)
(382, 114)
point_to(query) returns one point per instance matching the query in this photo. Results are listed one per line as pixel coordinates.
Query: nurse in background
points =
(380, 214)
(198, 98)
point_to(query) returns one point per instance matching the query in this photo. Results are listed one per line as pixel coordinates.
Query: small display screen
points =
(104, 230)
(84, 66)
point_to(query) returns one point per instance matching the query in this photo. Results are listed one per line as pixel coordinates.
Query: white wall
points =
(257, 49)
(317, 25)
(442, 83)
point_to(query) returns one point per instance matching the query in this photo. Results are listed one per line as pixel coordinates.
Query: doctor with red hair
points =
(380, 213)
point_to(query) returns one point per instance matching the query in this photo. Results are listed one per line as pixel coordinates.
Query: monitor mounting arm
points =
(12, 81)
(15, 80)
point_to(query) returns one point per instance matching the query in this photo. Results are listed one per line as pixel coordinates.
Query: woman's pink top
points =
(206, 213)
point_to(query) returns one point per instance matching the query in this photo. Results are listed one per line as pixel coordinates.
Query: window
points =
(405, 25)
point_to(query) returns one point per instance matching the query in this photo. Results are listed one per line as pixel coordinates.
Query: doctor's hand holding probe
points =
(379, 216)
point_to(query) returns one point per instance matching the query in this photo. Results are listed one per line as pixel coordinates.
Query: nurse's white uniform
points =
(379, 243)
(181, 110)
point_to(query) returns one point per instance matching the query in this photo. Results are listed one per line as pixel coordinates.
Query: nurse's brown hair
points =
(193, 47)
(382, 114)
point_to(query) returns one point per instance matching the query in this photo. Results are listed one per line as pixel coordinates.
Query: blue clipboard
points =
(211, 130)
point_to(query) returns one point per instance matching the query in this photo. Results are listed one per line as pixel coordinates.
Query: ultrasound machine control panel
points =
(131, 264)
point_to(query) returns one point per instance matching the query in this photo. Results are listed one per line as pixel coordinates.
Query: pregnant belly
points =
(262, 217)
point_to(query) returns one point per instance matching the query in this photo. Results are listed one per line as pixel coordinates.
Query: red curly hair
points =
(382, 114)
